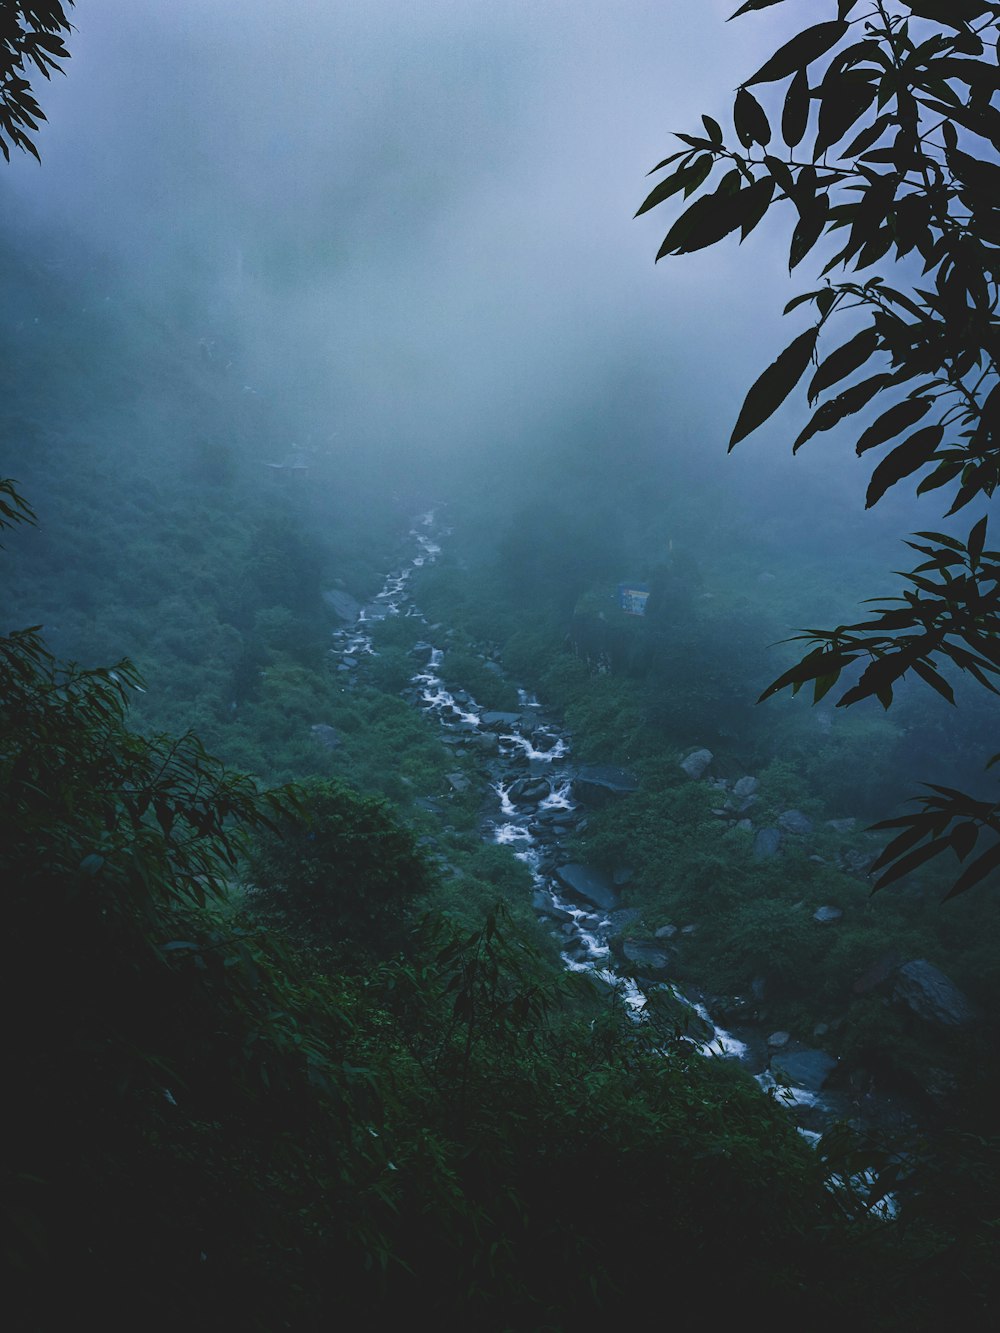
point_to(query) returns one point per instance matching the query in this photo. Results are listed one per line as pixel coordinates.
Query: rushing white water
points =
(587, 930)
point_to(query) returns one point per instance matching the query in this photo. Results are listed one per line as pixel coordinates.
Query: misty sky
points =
(417, 219)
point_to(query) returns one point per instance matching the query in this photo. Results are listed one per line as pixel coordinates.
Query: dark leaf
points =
(933, 678)
(803, 48)
(964, 837)
(749, 119)
(911, 862)
(679, 180)
(851, 400)
(808, 229)
(843, 103)
(978, 870)
(846, 359)
(713, 129)
(751, 5)
(891, 422)
(977, 539)
(905, 459)
(795, 111)
(756, 202)
(774, 385)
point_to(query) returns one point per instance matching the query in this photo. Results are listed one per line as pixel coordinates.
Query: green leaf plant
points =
(889, 141)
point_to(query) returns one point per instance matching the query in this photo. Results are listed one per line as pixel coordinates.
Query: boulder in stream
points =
(646, 955)
(585, 882)
(803, 1069)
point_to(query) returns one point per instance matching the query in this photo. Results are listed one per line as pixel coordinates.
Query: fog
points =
(416, 221)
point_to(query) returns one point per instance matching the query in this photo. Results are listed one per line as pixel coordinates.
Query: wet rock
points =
(778, 1040)
(766, 843)
(646, 955)
(803, 1069)
(665, 932)
(422, 652)
(350, 661)
(528, 791)
(620, 920)
(588, 883)
(688, 930)
(543, 741)
(745, 787)
(458, 782)
(827, 915)
(342, 604)
(696, 763)
(928, 993)
(495, 721)
(485, 741)
(794, 821)
(326, 735)
(600, 784)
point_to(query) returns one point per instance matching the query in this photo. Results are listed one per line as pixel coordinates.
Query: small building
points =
(632, 598)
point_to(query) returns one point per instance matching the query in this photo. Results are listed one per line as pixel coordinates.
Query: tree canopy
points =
(874, 134)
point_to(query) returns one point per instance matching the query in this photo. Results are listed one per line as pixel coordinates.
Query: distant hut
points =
(632, 598)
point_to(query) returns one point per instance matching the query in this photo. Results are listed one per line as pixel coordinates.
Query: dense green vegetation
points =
(288, 1044)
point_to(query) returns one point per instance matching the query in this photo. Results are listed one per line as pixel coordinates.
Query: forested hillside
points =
(412, 915)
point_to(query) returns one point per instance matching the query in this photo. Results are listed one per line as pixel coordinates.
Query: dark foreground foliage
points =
(210, 1130)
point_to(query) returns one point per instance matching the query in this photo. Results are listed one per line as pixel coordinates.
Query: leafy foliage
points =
(340, 870)
(889, 137)
(30, 35)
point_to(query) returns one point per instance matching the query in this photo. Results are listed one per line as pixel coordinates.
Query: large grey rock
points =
(528, 791)
(585, 882)
(827, 915)
(745, 787)
(696, 763)
(495, 721)
(600, 784)
(803, 1069)
(794, 821)
(620, 920)
(646, 955)
(928, 993)
(342, 604)
(766, 843)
